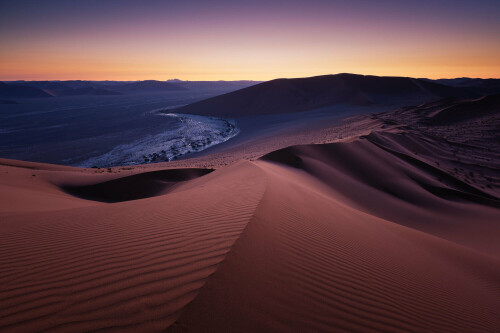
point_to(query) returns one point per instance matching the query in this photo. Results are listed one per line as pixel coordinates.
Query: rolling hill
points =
(304, 94)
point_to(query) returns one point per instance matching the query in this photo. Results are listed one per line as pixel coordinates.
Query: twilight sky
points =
(254, 40)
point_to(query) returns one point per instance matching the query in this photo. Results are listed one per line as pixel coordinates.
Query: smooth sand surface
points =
(305, 94)
(373, 223)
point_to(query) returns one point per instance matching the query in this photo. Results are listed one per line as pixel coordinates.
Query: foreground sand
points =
(368, 225)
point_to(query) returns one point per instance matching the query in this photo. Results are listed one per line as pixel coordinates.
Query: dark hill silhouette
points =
(15, 91)
(304, 94)
(50, 87)
(75, 84)
(214, 84)
(149, 85)
(482, 86)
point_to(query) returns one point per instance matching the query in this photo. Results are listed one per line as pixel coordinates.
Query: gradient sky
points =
(254, 40)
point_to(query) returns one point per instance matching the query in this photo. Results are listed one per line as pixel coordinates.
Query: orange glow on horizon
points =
(253, 41)
(100, 70)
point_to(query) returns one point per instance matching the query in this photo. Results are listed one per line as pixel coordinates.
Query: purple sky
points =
(260, 40)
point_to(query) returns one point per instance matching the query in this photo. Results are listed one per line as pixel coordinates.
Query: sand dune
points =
(337, 248)
(343, 236)
(484, 106)
(304, 94)
(126, 266)
(328, 267)
(375, 223)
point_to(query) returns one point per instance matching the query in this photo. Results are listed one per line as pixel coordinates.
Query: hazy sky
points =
(258, 40)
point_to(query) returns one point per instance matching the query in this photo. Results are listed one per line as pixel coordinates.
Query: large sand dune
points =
(375, 223)
(130, 265)
(304, 94)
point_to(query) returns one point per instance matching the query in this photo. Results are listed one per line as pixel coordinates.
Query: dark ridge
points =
(140, 186)
(482, 86)
(304, 94)
(15, 91)
(76, 84)
(234, 85)
(48, 86)
(63, 89)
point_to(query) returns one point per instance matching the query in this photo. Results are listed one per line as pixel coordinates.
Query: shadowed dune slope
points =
(347, 238)
(484, 106)
(296, 95)
(379, 176)
(129, 266)
(134, 187)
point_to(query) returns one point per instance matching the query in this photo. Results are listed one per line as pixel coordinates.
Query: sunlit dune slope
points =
(352, 237)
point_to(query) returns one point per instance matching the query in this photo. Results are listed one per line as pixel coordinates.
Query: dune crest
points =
(130, 265)
(326, 251)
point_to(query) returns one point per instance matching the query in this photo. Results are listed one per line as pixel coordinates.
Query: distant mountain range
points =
(87, 91)
(36, 89)
(61, 89)
(149, 85)
(214, 84)
(304, 94)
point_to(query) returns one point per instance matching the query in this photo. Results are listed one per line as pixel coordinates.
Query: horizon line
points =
(243, 80)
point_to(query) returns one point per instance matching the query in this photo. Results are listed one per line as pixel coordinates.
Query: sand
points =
(373, 223)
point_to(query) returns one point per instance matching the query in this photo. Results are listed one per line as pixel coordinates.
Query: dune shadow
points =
(140, 186)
